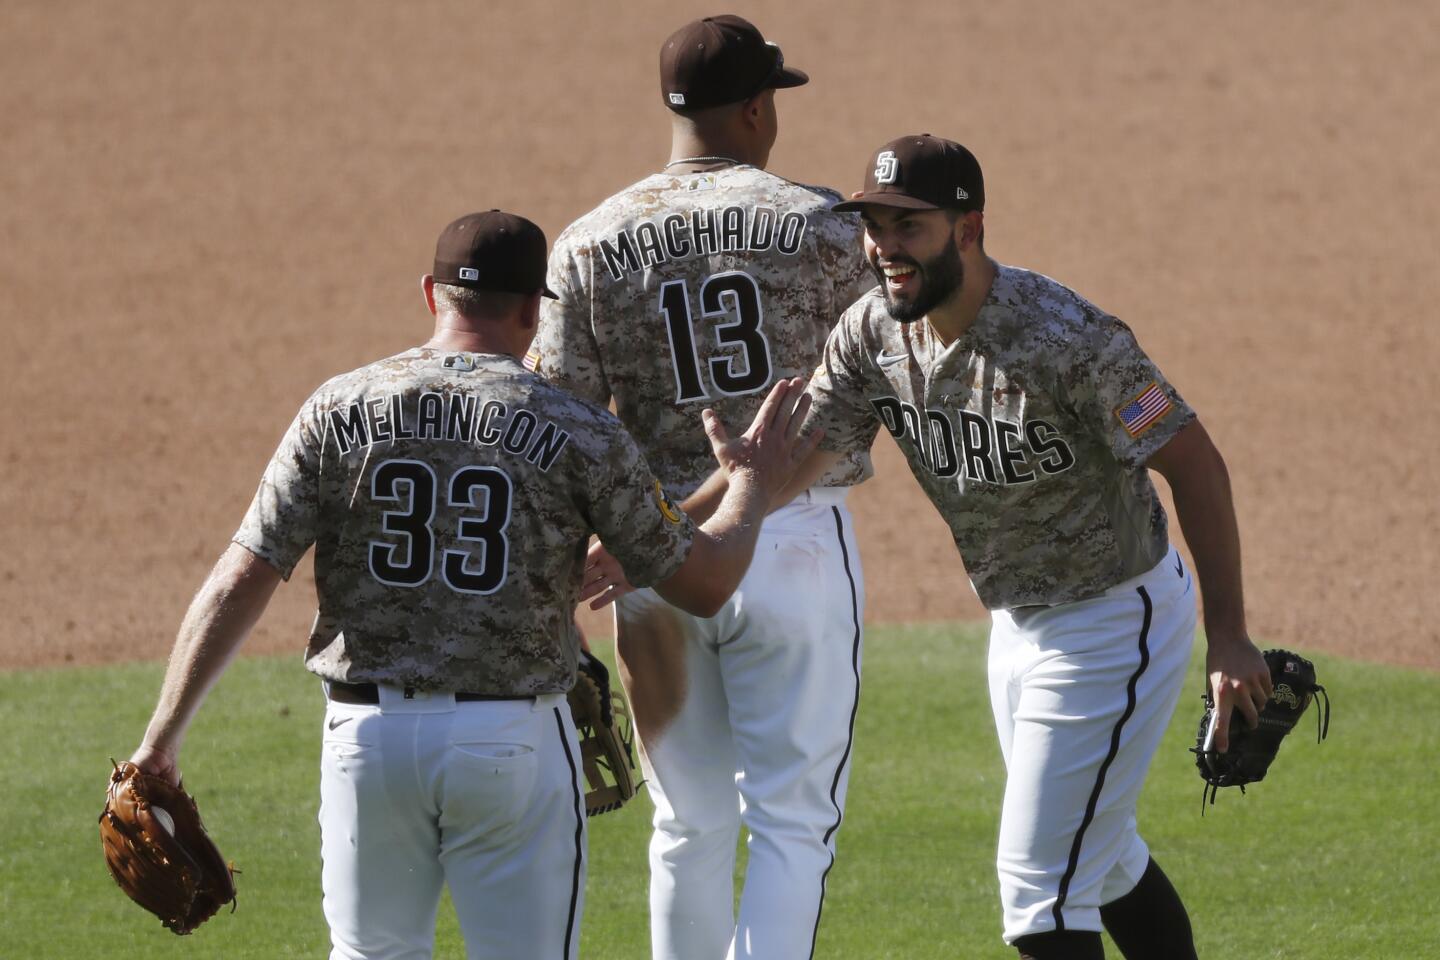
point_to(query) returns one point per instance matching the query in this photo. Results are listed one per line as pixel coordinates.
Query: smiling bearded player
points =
(1032, 420)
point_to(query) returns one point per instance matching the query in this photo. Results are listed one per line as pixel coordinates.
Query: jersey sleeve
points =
(565, 351)
(283, 519)
(837, 392)
(853, 276)
(1121, 394)
(634, 517)
(839, 263)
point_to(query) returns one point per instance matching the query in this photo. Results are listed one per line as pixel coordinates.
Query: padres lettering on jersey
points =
(1022, 450)
(1029, 433)
(692, 290)
(450, 498)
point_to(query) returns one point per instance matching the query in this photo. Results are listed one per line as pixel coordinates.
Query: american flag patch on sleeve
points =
(1139, 414)
(532, 360)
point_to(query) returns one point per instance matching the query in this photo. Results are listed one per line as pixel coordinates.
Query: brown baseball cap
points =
(921, 172)
(493, 250)
(719, 60)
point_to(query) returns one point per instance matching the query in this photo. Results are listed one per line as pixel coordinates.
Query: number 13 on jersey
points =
(734, 296)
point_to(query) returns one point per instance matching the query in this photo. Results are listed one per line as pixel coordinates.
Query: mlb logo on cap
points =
(492, 250)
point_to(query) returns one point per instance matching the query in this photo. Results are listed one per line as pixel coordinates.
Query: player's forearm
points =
(724, 546)
(705, 501)
(1206, 511)
(218, 621)
(806, 476)
(702, 504)
(735, 525)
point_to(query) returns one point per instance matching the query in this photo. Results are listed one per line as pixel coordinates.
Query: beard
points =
(939, 278)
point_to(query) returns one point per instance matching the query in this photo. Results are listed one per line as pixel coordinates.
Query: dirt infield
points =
(211, 208)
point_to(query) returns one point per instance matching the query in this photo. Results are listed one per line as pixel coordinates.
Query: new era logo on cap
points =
(678, 99)
(469, 273)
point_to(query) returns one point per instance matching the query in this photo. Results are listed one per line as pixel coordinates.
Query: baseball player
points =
(450, 494)
(1032, 419)
(703, 284)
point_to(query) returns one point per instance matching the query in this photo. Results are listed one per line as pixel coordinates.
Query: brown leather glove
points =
(158, 851)
(606, 738)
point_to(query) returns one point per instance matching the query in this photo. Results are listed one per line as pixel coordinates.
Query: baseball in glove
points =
(158, 851)
(1251, 751)
(607, 738)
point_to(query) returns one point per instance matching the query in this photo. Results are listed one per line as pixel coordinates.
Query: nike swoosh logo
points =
(1179, 568)
(886, 359)
(336, 721)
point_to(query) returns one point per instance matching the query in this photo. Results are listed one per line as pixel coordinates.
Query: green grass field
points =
(1335, 856)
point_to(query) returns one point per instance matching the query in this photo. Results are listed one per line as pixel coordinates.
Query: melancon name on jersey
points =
(456, 417)
(732, 229)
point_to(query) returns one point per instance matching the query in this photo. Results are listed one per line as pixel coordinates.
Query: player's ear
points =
(427, 287)
(530, 312)
(752, 111)
(969, 228)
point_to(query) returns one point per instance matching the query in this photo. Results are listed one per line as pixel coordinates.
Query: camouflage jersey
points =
(450, 498)
(695, 290)
(1029, 433)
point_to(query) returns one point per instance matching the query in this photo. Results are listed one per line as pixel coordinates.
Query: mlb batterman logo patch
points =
(1140, 414)
(460, 361)
(662, 499)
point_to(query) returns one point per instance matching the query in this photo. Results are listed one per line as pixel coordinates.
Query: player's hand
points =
(603, 581)
(771, 449)
(1239, 678)
(157, 763)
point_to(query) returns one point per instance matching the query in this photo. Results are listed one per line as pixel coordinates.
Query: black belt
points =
(369, 693)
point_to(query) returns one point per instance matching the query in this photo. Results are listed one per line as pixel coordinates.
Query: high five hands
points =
(767, 454)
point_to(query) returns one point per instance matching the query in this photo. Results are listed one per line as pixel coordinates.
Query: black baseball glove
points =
(1251, 751)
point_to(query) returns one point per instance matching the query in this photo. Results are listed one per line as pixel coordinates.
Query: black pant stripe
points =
(1074, 863)
(579, 834)
(854, 709)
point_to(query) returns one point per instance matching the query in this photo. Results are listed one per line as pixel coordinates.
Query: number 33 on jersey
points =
(449, 498)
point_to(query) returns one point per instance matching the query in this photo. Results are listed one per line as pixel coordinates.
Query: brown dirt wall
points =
(210, 208)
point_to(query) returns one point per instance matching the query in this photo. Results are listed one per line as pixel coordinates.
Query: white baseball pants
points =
(749, 717)
(485, 797)
(1082, 693)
